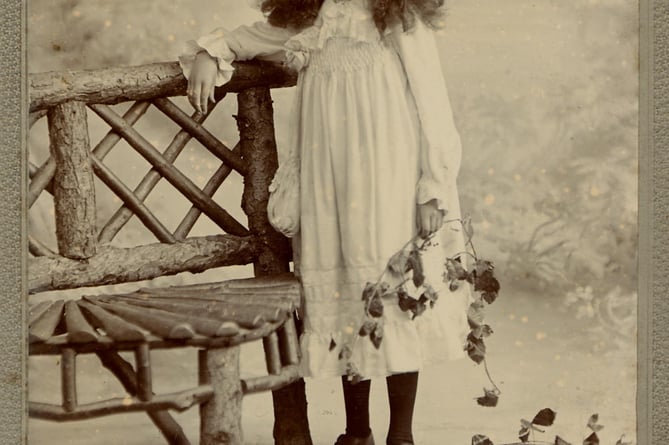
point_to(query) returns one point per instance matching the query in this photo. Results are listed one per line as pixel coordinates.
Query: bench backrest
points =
(85, 254)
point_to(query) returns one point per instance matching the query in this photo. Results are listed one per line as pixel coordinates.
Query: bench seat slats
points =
(150, 319)
(45, 325)
(270, 299)
(247, 319)
(79, 329)
(216, 308)
(193, 315)
(217, 314)
(114, 326)
(36, 310)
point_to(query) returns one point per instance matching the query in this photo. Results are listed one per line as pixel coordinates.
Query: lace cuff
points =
(215, 45)
(428, 189)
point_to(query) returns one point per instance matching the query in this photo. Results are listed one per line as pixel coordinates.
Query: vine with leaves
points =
(546, 418)
(406, 266)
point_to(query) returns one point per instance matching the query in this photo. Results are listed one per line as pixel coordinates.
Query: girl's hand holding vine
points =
(201, 81)
(429, 218)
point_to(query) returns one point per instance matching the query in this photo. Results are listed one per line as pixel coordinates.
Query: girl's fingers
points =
(429, 221)
(189, 95)
(204, 97)
(424, 224)
(195, 96)
(211, 95)
(434, 222)
(207, 95)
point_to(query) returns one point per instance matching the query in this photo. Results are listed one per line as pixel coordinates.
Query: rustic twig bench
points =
(214, 317)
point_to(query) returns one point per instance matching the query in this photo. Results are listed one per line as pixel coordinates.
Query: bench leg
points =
(220, 416)
(126, 375)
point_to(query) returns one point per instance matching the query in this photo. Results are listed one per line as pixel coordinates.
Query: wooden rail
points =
(113, 265)
(115, 85)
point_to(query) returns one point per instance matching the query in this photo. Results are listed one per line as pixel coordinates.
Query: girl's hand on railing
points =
(202, 81)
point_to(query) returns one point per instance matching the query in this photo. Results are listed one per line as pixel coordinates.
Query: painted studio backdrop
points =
(544, 94)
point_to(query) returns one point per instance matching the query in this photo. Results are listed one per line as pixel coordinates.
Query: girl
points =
(377, 154)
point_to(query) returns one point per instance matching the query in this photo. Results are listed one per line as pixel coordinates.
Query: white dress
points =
(375, 135)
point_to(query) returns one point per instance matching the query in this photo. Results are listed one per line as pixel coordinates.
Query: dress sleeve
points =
(441, 150)
(260, 40)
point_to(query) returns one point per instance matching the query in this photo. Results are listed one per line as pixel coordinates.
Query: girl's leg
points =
(402, 397)
(356, 402)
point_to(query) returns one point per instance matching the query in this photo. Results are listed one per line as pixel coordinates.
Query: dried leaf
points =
(377, 336)
(524, 434)
(430, 293)
(592, 423)
(475, 312)
(475, 348)
(486, 282)
(375, 308)
(480, 439)
(418, 278)
(366, 328)
(398, 263)
(621, 442)
(591, 440)
(415, 264)
(545, 417)
(352, 374)
(455, 270)
(368, 292)
(529, 425)
(490, 398)
(345, 353)
(354, 378)
(419, 309)
(560, 441)
(481, 266)
(483, 331)
(489, 297)
(406, 303)
(333, 344)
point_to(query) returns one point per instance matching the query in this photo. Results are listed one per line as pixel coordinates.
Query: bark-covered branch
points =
(113, 265)
(114, 85)
(74, 190)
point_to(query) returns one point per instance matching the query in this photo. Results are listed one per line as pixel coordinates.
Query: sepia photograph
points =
(318, 222)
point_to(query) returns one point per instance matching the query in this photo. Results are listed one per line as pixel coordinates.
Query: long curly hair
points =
(299, 14)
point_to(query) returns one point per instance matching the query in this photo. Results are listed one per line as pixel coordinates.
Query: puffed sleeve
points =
(441, 151)
(259, 40)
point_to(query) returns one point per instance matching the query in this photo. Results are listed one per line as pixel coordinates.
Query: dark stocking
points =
(356, 401)
(402, 396)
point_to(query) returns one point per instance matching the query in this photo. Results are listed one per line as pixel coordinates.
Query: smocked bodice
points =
(347, 20)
